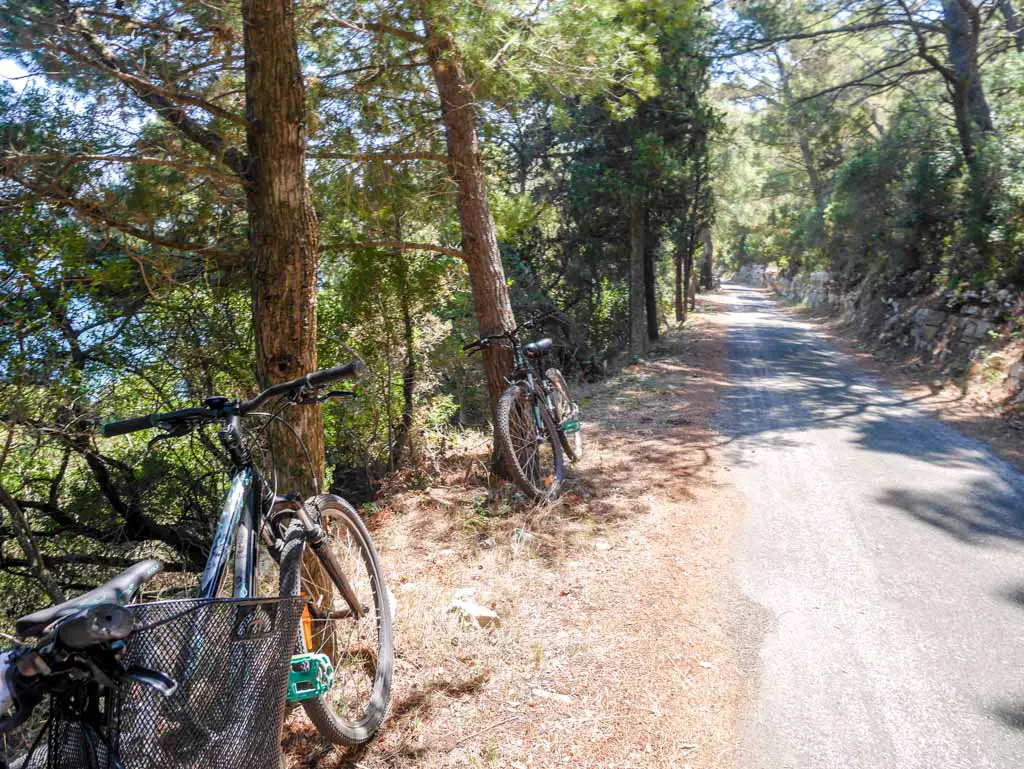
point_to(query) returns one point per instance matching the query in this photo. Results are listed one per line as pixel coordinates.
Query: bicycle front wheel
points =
(361, 648)
(567, 415)
(531, 449)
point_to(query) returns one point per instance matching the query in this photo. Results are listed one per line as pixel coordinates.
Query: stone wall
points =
(757, 275)
(816, 289)
(951, 323)
(964, 330)
(968, 331)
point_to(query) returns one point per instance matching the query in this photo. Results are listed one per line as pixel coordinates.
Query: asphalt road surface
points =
(886, 553)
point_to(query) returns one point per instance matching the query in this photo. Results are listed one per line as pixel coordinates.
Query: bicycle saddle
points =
(539, 347)
(119, 590)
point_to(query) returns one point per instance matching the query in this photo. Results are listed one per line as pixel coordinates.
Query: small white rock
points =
(602, 545)
(475, 614)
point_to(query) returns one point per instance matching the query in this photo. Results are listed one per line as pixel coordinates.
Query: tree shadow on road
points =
(787, 380)
(983, 514)
(1011, 714)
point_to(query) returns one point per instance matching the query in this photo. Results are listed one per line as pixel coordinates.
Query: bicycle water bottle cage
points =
(309, 676)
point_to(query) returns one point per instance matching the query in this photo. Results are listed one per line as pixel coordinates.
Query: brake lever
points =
(153, 678)
(175, 430)
(337, 394)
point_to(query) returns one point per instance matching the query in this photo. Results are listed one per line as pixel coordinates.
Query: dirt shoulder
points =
(966, 403)
(615, 646)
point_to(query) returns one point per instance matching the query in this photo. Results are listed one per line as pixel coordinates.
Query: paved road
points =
(887, 551)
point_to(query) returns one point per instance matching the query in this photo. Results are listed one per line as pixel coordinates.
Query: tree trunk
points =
(1013, 25)
(282, 227)
(403, 435)
(707, 257)
(479, 238)
(963, 28)
(650, 284)
(637, 324)
(680, 300)
(803, 141)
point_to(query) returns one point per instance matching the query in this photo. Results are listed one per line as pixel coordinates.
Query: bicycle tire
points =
(515, 428)
(345, 728)
(566, 409)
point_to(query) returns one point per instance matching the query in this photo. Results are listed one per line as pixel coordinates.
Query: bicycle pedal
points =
(309, 676)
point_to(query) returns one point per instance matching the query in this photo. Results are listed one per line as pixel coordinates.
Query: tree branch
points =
(162, 104)
(392, 245)
(379, 157)
(94, 212)
(79, 157)
(383, 29)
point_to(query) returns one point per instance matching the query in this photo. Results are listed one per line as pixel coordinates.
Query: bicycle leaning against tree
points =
(536, 423)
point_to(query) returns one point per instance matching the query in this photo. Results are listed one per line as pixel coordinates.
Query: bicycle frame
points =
(245, 509)
(238, 514)
(526, 370)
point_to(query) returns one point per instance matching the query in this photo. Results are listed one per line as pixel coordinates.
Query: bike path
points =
(886, 551)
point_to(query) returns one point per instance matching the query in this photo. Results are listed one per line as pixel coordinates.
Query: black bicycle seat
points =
(539, 347)
(119, 590)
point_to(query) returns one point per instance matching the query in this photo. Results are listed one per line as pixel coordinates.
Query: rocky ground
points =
(610, 644)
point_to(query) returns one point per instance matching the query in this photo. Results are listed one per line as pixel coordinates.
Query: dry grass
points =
(614, 648)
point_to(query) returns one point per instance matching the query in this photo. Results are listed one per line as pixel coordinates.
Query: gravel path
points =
(888, 552)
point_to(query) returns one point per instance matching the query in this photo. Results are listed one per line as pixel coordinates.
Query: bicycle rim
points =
(360, 648)
(533, 454)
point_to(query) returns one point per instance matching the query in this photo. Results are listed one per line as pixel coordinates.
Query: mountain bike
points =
(208, 678)
(537, 421)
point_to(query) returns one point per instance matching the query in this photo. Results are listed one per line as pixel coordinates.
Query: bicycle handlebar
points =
(133, 425)
(310, 381)
(479, 344)
(84, 646)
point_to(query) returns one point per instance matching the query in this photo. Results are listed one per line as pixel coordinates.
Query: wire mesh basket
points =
(230, 660)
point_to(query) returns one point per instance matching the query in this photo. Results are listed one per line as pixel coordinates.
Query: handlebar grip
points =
(125, 426)
(95, 625)
(318, 378)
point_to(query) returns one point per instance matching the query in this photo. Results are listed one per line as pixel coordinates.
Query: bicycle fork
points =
(317, 539)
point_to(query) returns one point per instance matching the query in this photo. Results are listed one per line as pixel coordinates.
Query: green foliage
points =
(124, 237)
(843, 152)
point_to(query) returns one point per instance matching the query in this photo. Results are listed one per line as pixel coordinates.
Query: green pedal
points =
(571, 426)
(309, 676)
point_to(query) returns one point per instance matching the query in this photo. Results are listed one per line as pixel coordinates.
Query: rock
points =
(925, 316)
(464, 593)
(981, 329)
(1015, 378)
(475, 614)
(602, 545)
(970, 310)
(487, 543)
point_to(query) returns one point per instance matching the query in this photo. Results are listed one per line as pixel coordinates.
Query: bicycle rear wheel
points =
(360, 648)
(567, 415)
(532, 452)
